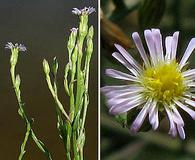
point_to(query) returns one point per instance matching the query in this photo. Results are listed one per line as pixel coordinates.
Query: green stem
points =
(79, 94)
(79, 74)
(22, 113)
(20, 104)
(72, 96)
(58, 103)
(86, 99)
(68, 141)
(22, 148)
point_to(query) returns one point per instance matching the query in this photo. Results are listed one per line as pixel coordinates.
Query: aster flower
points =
(160, 85)
(11, 46)
(85, 10)
(74, 30)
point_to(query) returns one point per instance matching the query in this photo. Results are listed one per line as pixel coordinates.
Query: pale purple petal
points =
(122, 93)
(168, 42)
(121, 101)
(177, 117)
(118, 87)
(128, 57)
(139, 45)
(125, 95)
(190, 102)
(120, 75)
(139, 119)
(153, 115)
(76, 11)
(85, 10)
(150, 43)
(124, 107)
(190, 83)
(181, 131)
(158, 43)
(187, 53)
(20, 47)
(185, 108)
(173, 129)
(174, 45)
(188, 72)
(123, 61)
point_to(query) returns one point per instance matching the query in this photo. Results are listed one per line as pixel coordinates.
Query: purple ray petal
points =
(121, 75)
(187, 53)
(123, 61)
(139, 45)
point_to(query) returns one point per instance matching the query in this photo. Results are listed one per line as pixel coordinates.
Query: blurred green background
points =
(119, 18)
(43, 26)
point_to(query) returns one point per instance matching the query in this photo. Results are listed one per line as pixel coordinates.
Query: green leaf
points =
(22, 148)
(122, 119)
(66, 85)
(41, 146)
(76, 121)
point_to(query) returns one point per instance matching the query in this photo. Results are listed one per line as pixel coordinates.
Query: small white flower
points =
(86, 10)
(20, 47)
(74, 30)
(161, 84)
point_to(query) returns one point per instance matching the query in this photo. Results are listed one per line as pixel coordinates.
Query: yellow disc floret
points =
(163, 82)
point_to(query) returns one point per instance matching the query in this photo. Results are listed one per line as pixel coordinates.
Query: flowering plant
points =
(71, 126)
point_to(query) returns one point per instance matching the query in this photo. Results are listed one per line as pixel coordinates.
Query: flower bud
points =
(72, 40)
(55, 66)
(46, 67)
(90, 41)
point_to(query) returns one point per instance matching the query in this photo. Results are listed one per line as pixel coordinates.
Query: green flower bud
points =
(90, 41)
(46, 67)
(55, 66)
(72, 40)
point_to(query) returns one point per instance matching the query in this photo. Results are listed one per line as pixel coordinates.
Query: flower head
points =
(74, 30)
(19, 47)
(161, 84)
(85, 10)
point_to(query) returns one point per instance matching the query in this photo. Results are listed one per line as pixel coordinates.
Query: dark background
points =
(43, 27)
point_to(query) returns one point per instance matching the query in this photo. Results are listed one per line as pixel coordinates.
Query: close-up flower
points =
(162, 85)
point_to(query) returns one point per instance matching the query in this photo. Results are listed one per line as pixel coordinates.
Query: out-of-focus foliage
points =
(151, 12)
(130, 16)
(112, 33)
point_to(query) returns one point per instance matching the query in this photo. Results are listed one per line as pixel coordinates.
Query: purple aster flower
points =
(20, 47)
(74, 30)
(86, 10)
(161, 84)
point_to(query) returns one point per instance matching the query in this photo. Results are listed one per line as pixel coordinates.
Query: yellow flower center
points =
(163, 82)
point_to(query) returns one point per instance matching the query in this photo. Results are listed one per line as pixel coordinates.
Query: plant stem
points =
(22, 149)
(22, 113)
(58, 103)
